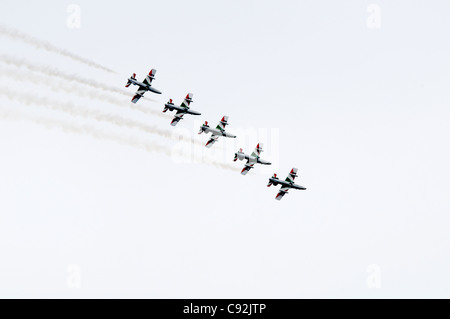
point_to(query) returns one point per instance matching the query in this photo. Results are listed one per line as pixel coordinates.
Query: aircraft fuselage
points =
(251, 159)
(144, 86)
(276, 181)
(217, 132)
(172, 107)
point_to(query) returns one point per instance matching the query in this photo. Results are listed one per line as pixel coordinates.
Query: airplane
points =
(181, 110)
(217, 132)
(144, 86)
(251, 159)
(287, 184)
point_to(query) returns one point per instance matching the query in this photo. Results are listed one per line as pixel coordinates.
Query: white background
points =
(363, 113)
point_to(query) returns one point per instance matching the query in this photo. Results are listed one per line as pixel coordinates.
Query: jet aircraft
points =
(252, 159)
(181, 110)
(144, 86)
(216, 132)
(287, 184)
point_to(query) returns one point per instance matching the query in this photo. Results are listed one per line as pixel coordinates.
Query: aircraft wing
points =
(247, 168)
(139, 93)
(292, 175)
(178, 116)
(149, 78)
(283, 191)
(187, 100)
(223, 122)
(136, 97)
(258, 150)
(211, 141)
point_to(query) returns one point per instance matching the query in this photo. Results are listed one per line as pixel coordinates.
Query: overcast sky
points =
(352, 94)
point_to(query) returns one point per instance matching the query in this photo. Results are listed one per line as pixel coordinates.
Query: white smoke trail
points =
(72, 109)
(51, 71)
(93, 132)
(70, 88)
(85, 129)
(44, 45)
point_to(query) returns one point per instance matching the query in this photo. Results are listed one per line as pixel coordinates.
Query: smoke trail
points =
(72, 109)
(67, 77)
(98, 134)
(51, 71)
(87, 130)
(66, 87)
(44, 45)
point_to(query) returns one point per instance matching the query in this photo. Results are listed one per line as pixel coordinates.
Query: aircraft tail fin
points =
(239, 155)
(270, 180)
(202, 128)
(166, 107)
(133, 77)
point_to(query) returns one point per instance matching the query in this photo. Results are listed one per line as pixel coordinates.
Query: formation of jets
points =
(218, 131)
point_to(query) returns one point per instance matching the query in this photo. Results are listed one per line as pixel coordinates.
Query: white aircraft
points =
(287, 184)
(181, 110)
(144, 86)
(251, 159)
(217, 132)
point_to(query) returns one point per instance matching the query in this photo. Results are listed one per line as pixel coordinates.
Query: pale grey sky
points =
(362, 112)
